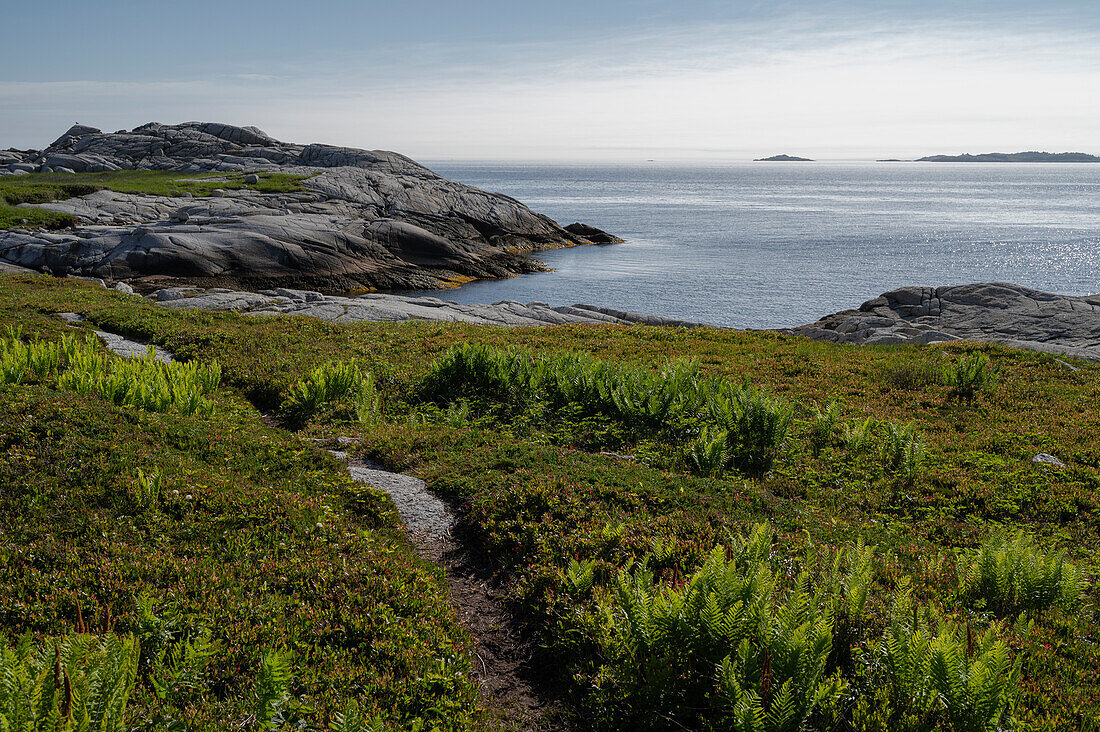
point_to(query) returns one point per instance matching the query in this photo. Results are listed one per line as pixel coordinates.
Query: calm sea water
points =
(766, 245)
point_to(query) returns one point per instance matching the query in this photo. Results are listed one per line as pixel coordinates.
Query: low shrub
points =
(823, 427)
(330, 384)
(969, 375)
(902, 450)
(75, 682)
(911, 375)
(1009, 574)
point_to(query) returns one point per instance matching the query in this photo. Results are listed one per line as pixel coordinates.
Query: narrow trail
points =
(503, 664)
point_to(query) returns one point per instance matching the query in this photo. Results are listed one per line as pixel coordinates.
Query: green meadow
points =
(698, 529)
(47, 187)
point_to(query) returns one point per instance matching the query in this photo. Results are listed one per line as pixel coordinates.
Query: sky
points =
(567, 79)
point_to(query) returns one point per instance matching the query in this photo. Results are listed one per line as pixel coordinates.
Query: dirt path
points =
(503, 664)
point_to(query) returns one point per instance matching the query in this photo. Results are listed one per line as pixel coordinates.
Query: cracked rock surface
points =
(368, 218)
(993, 311)
(384, 307)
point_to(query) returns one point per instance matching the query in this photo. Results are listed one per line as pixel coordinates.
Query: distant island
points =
(783, 159)
(1020, 157)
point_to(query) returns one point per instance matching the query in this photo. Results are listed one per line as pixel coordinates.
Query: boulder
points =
(1048, 460)
(992, 311)
(592, 234)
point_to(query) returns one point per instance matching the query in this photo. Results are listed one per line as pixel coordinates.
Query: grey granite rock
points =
(368, 219)
(998, 312)
(120, 345)
(8, 268)
(390, 308)
(1047, 459)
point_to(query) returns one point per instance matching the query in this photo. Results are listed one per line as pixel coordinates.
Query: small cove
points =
(765, 245)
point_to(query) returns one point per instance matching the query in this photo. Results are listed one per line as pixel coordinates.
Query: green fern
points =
(756, 424)
(969, 376)
(272, 686)
(708, 454)
(1010, 574)
(902, 451)
(579, 576)
(329, 384)
(947, 674)
(79, 682)
(859, 436)
(352, 720)
(823, 427)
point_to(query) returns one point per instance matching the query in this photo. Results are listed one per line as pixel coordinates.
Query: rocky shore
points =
(996, 312)
(362, 219)
(385, 307)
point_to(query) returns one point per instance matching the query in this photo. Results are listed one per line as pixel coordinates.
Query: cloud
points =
(843, 86)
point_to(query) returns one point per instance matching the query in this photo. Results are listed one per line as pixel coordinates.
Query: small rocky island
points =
(353, 219)
(783, 159)
(1020, 157)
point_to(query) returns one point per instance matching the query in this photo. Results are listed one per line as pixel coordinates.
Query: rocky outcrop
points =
(783, 158)
(367, 219)
(592, 234)
(382, 307)
(998, 312)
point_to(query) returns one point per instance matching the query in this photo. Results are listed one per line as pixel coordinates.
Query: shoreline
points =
(996, 312)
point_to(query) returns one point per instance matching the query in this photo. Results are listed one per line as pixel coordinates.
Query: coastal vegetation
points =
(47, 187)
(702, 529)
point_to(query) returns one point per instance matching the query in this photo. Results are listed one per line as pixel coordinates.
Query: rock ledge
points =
(367, 219)
(997, 312)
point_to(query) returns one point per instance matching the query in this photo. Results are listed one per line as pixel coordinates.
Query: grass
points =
(47, 187)
(569, 503)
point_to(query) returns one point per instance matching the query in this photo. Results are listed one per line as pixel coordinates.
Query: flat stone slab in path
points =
(426, 517)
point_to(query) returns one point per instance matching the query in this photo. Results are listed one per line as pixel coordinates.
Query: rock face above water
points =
(368, 218)
(998, 312)
(382, 307)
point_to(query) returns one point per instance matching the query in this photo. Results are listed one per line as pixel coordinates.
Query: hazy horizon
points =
(575, 81)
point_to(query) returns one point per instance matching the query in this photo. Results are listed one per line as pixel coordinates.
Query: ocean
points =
(766, 245)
